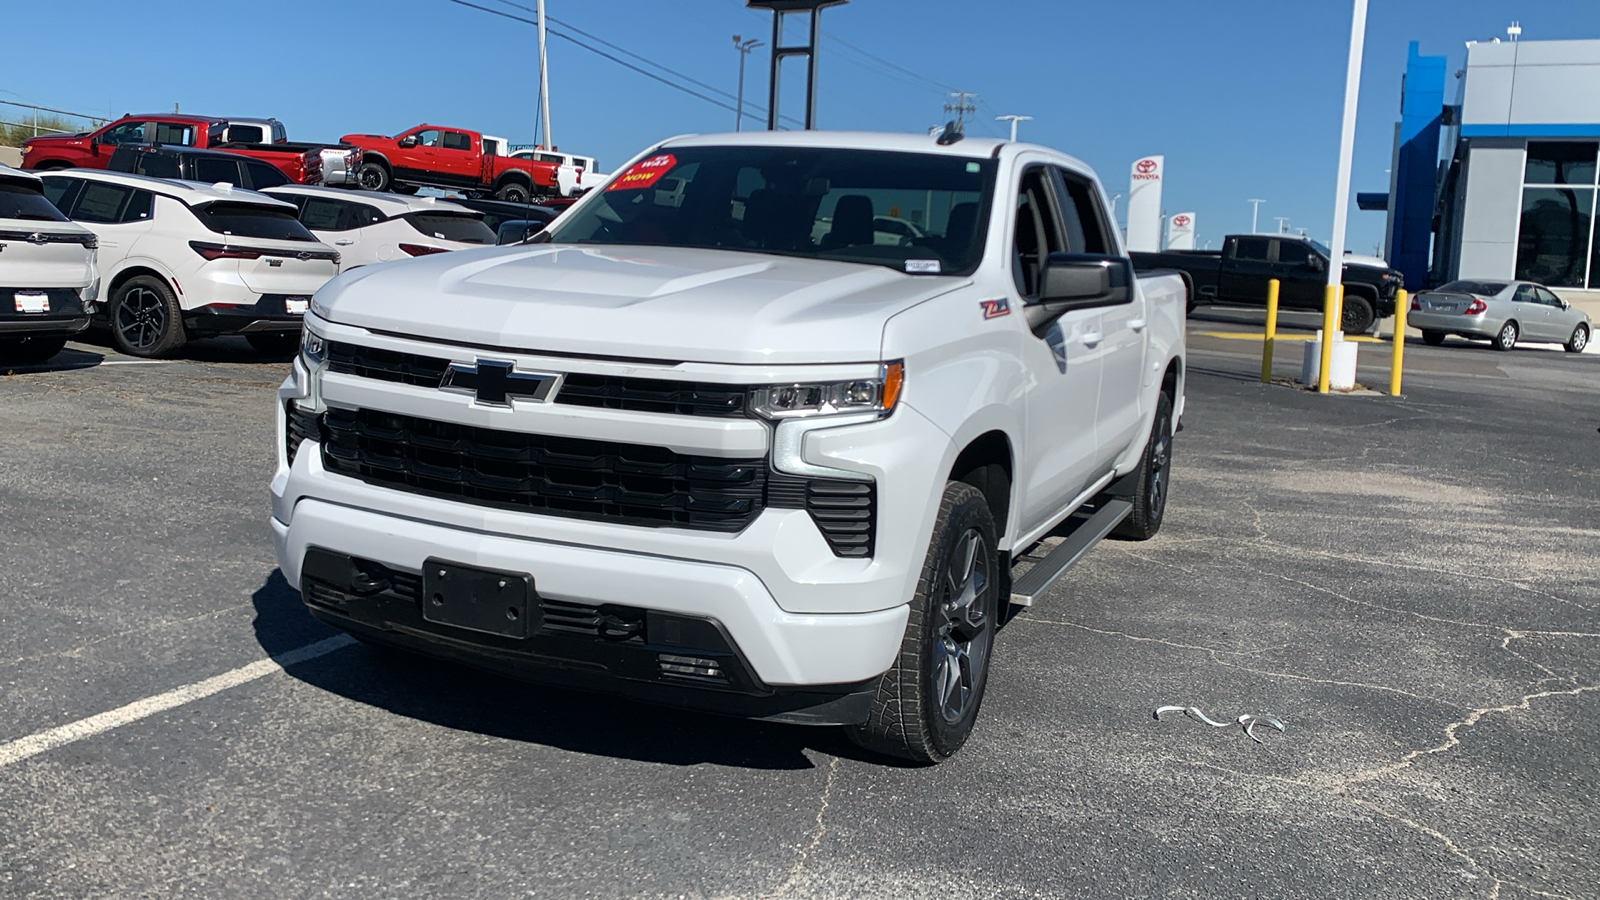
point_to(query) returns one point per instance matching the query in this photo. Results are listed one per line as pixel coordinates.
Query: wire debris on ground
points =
(1248, 721)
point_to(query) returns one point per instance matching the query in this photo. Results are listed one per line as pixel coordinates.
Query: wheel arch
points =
(513, 177)
(370, 156)
(988, 463)
(130, 272)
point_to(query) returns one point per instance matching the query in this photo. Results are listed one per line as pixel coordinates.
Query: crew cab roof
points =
(973, 148)
(390, 205)
(176, 117)
(191, 193)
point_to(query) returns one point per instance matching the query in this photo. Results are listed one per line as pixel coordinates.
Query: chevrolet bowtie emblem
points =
(493, 383)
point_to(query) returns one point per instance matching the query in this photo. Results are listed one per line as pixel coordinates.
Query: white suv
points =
(185, 260)
(48, 280)
(369, 227)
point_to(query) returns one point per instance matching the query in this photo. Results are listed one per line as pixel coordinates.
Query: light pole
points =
(544, 84)
(1013, 120)
(744, 48)
(1255, 213)
(1332, 315)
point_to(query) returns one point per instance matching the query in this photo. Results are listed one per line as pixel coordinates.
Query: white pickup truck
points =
(725, 446)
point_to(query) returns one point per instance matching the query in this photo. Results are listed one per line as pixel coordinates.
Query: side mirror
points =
(1079, 281)
(408, 141)
(517, 231)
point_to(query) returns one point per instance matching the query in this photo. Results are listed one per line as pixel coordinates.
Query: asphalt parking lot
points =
(1407, 583)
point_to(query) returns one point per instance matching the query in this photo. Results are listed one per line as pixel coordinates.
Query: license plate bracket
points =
(477, 599)
(296, 306)
(31, 302)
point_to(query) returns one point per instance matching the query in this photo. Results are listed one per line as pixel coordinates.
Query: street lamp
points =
(744, 48)
(1013, 120)
(1255, 213)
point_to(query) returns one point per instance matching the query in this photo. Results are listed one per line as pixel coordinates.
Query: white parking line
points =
(138, 362)
(49, 739)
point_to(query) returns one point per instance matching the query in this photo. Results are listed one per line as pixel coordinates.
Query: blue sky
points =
(1243, 97)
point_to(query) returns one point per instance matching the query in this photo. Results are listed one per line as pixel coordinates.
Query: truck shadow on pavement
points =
(464, 699)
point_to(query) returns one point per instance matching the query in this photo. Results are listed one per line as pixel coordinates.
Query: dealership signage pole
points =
(779, 8)
(1341, 200)
(544, 85)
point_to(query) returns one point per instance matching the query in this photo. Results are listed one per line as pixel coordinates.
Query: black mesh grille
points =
(684, 398)
(386, 365)
(629, 484)
(653, 395)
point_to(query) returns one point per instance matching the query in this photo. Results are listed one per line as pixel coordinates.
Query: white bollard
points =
(1342, 368)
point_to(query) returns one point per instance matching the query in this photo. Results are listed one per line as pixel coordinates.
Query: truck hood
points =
(658, 303)
(1370, 262)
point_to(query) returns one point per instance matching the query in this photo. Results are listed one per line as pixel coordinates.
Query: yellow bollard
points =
(1330, 321)
(1272, 331)
(1402, 302)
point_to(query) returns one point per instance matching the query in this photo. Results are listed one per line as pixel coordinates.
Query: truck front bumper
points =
(608, 620)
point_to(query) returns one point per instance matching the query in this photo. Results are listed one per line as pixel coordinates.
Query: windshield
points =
(468, 228)
(1486, 288)
(799, 201)
(249, 220)
(1320, 247)
(25, 201)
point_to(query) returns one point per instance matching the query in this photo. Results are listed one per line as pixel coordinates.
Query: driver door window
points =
(1037, 235)
(126, 133)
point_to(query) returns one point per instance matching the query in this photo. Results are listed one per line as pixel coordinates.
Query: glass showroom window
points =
(1558, 208)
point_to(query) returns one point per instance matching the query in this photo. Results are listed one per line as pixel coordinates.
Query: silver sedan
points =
(1500, 312)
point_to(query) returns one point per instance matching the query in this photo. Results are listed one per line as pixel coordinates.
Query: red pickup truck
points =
(93, 149)
(450, 158)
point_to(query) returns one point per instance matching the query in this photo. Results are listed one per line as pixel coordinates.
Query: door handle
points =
(1136, 324)
(343, 243)
(1090, 338)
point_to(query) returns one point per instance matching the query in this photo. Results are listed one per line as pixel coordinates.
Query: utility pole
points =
(1255, 213)
(744, 48)
(1013, 120)
(544, 84)
(961, 107)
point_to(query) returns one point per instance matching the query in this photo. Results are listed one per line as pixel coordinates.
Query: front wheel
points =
(29, 351)
(1506, 338)
(1579, 339)
(925, 705)
(1155, 474)
(1357, 316)
(146, 319)
(372, 177)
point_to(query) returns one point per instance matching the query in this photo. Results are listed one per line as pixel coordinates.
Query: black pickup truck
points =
(1237, 275)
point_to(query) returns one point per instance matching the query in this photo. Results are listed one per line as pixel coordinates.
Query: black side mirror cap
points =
(1079, 281)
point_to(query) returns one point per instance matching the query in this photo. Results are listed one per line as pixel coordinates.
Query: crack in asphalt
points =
(797, 871)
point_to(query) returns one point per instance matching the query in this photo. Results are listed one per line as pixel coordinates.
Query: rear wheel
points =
(372, 177)
(277, 344)
(1357, 316)
(145, 318)
(1433, 338)
(29, 351)
(1507, 336)
(927, 702)
(407, 189)
(1155, 471)
(512, 193)
(1579, 339)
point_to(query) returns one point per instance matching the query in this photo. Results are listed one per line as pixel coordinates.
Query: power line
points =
(938, 85)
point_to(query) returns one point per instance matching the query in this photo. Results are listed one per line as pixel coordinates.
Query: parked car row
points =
(198, 253)
(424, 156)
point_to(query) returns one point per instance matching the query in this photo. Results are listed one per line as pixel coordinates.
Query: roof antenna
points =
(951, 134)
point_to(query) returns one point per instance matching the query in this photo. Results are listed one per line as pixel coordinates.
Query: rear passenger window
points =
(61, 192)
(323, 215)
(362, 215)
(260, 175)
(139, 207)
(455, 140)
(168, 133)
(212, 170)
(101, 203)
(1254, 249)
(157, 166)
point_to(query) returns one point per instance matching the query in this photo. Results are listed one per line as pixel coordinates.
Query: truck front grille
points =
(631, 484)
(651, 395)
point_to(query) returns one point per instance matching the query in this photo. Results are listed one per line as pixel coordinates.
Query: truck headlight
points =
(310, 366)
(863, 395)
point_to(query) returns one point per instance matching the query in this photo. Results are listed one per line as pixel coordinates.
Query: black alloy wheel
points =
(1154, 478)
(145, 319)
(1357, 316)
(964, 629)
(512, 193)
(372, 177)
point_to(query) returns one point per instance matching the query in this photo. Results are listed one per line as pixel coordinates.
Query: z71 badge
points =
(994, 309)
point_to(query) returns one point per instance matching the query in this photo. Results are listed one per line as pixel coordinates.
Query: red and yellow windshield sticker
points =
(644, 173)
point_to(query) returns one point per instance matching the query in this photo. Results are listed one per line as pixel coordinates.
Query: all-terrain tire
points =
(925, 705)
(1356, 316)
(1154, 478)
(372, 176)
(512, 192)
(1433, 338)
(146, 319)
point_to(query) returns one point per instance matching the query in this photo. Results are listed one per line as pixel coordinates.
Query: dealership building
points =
(1499, 180)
